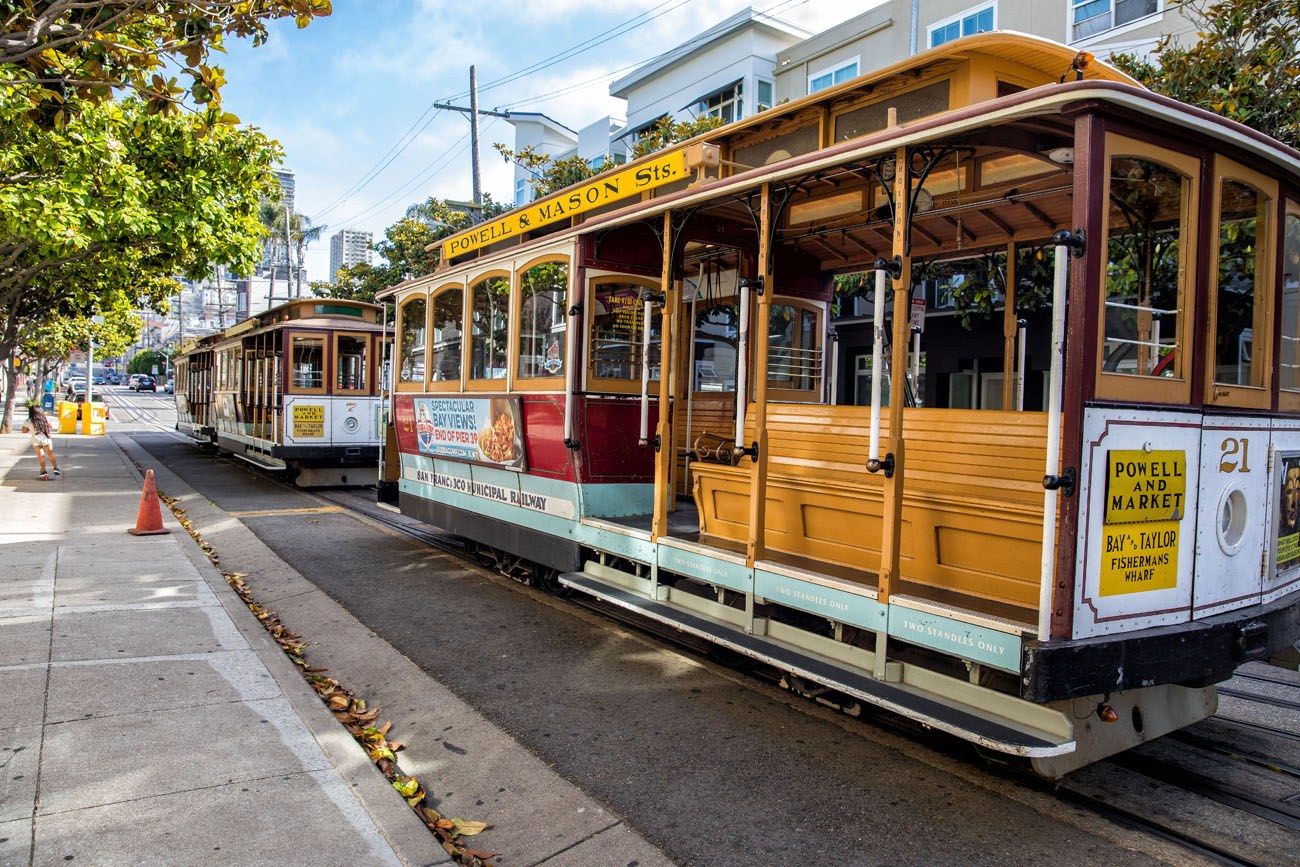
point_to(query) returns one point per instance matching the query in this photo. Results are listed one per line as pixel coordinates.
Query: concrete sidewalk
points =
(147, 717)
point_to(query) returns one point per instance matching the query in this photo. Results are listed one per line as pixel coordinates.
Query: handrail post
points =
(664, 456)
(755, 546)
(1051, 495)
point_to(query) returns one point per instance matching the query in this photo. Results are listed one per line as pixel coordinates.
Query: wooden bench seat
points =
(972, 504)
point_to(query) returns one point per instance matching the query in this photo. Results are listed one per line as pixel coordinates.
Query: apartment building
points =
(897, 29)
(348, 247)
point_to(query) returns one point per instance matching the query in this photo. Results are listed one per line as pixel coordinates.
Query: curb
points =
(410, 840)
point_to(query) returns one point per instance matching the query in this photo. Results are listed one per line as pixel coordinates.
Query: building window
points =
(834, 75)
(765, 99)
(1091, 17)
(521, 191)
(980, 19)
(726, 104)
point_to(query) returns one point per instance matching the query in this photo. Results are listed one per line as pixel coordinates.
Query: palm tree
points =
(303, 233)
(271, 216)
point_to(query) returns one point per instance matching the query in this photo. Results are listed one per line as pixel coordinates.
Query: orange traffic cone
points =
(149, 521)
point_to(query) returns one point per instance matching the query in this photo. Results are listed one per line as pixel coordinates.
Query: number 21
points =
(1228, 450)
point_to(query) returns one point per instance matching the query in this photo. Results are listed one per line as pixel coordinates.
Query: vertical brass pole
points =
(893, 489)
(1009, 332)
(664, 424)
(755, 547)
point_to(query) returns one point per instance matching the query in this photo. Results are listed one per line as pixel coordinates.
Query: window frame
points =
(1132, 387)
(536, 383)
(1266, 262)
(444, 385)
(326, 359)
(1071, 24)
(606, 384)
(365, 337)
(959, 19)
(1287, 400)
(855, 61)
(816, 394)
(400, 321)
(468, 382)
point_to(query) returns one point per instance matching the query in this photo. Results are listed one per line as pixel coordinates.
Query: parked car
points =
(114, 378)
(100, 379)
(132, 380)
(146, 383)
(73, 386)
(170, 387)
(80, 397)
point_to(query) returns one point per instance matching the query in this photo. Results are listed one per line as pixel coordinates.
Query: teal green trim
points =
(733, 576)
(987, 646)
(632, 547)
(617, 500)
(816, 599)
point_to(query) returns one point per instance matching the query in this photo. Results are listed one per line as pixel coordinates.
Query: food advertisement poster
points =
(1288, 524)
(486, 430)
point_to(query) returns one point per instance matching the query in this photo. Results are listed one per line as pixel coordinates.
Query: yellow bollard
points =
(67, 417)
(93, 419)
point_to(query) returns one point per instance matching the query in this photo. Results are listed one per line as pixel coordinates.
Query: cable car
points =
(294, 389)
(968, 389)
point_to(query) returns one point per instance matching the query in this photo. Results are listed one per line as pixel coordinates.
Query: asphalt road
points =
(711, 768)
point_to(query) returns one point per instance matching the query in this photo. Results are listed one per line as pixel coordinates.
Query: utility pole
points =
(288, 255)
(473, 112)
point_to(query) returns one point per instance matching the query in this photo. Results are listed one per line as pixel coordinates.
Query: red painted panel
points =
(404, 421)
(609, 431)
(544, 437)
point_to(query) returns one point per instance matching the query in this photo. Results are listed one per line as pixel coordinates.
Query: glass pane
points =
(412, 348)
(308, 362)
(448, 325)
(491, 324)
(542, 320)
(616, 324)
(717, 340)
(350, 363)
(765, 93)
(1143, 279)
(1241, 221)
(794, 348)
(1289, 374)
(819, 83)
(844, 73)
(1131, 10)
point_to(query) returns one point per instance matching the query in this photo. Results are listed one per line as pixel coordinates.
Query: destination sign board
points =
(601, 190)
(1145, 486)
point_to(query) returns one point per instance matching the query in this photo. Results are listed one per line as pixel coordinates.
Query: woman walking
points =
(38, 425)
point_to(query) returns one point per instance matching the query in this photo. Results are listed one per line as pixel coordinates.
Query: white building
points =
(728, 71)
(543, 134)
(348, 247)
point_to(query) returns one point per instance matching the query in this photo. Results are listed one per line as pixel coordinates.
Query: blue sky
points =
(339, 94)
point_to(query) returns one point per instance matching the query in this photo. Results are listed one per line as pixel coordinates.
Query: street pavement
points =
(146, 715)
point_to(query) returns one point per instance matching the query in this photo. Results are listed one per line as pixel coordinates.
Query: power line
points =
(582, 47)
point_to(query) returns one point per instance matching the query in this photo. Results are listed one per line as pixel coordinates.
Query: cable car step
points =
(923, 707)
(263, 463)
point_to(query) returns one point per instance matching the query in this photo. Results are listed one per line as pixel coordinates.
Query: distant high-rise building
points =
(348, 247)
(273, 248)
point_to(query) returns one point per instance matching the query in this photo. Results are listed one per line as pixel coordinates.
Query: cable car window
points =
(794, 351)
(350, 362)
(717, 341)
(543, 290)
(308, 363)
(412, 330)
(1289, 364)
(1242, 284)
(617, 319)
(490, 326)
(1148, 232)
(447, 336)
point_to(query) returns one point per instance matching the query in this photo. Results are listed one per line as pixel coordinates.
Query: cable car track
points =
(1157, 769)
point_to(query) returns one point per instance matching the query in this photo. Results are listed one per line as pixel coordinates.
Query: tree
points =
(667, 132)
(1245, 64)
(104, 210)
(68, 50)
(550, 175)
(144, 362)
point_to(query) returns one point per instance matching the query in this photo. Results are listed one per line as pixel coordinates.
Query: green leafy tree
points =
(550, 175)
(104, 210)
(1245, 64)
(667, 132)
(63, 51)
(144, 362)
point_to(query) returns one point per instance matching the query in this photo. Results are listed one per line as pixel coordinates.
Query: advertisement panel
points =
(1288, 523)
(485, 430)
